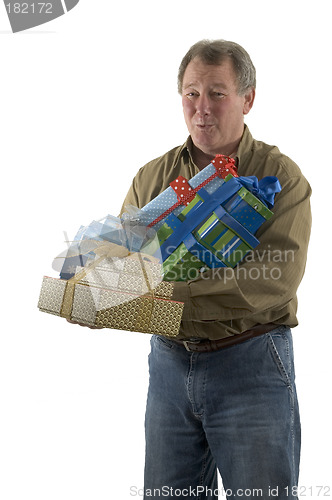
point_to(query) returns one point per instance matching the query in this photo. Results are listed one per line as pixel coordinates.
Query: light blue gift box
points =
(168, 198)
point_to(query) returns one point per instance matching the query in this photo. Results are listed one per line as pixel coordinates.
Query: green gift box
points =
(211, 231)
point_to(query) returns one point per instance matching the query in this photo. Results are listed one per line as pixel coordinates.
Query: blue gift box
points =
(215, 230)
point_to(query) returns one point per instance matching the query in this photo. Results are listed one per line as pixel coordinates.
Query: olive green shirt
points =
(261, 289)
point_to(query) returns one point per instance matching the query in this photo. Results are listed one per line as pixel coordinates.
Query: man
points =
(222, 395)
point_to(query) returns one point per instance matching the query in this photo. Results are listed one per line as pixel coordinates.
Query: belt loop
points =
(214, 345)
(185, 343)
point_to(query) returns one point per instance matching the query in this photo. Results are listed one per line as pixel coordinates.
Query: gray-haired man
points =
(222, 396)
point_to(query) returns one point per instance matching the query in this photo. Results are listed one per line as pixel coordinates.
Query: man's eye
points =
(218, 94)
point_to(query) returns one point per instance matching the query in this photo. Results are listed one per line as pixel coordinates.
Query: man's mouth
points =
(204, 125)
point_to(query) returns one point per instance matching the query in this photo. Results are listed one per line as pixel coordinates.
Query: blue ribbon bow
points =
(265, 189)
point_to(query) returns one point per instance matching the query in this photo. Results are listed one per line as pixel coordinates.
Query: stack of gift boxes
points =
(206, 222)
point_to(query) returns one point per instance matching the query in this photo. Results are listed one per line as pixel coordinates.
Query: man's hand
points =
(81, 324)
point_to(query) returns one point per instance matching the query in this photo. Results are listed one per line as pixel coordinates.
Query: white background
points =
(85, 100)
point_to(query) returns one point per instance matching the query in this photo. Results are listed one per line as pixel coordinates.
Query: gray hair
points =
(214, 52)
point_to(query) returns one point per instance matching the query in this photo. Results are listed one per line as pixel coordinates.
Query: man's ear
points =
(249, 98)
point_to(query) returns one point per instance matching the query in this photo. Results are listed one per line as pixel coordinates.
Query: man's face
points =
(213, 110)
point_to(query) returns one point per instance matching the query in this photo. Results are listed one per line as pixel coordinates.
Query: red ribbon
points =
(184, 192)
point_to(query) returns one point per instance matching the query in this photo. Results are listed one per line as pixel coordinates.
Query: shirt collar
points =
(185, 149)
(243, 151)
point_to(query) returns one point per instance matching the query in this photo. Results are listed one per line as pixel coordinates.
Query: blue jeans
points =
(234, 410)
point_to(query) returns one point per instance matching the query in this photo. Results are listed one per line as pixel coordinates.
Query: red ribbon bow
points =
(224, 165)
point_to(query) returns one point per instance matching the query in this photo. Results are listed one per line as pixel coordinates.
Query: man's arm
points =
(268, 278)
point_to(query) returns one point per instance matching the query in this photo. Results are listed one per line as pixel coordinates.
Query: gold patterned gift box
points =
(122, 294)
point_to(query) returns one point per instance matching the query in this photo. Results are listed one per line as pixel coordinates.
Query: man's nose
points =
(203, 105)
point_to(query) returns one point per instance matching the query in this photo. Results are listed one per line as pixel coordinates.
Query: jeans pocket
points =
(280, 344)
(163, 342)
